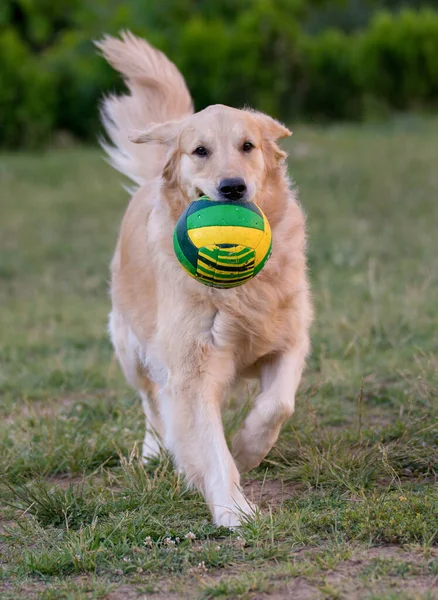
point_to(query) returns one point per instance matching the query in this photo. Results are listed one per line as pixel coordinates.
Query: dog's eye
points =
(247, 147)
(201, 151)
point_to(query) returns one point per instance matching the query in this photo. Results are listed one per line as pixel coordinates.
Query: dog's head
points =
(220, 152)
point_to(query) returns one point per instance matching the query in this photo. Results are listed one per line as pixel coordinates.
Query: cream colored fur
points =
(181, 344)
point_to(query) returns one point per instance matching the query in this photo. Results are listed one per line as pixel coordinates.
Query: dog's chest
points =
(252, 331)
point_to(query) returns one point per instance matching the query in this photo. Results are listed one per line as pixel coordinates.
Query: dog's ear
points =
(160, 133)
(271, 129)
(170, 169)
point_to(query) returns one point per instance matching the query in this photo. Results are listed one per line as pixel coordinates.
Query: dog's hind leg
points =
(280, 376)
(154, 426)
(129, 354)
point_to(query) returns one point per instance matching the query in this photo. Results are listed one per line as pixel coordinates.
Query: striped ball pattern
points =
(222, 244)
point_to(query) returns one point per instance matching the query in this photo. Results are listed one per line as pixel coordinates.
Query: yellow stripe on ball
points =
(207, 236)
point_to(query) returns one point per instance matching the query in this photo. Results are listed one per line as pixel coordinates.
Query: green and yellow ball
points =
(222, 244)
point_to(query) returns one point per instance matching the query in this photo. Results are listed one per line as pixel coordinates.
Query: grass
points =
(355, 512)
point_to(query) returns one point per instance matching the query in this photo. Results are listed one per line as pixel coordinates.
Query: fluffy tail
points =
(158, 93)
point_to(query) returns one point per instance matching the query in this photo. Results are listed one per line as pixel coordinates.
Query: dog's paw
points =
(235, 516)
(245, 453)
(227, 518)
(246, 462)
(151, 458)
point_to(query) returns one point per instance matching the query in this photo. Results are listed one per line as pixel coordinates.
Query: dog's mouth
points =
(199, 193)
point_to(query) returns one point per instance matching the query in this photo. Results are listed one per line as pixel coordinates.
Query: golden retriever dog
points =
(181, 344)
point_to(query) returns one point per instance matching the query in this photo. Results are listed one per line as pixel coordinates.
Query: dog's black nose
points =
(233, 188)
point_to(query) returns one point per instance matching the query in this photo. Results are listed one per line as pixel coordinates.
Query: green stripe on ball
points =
(215, 215)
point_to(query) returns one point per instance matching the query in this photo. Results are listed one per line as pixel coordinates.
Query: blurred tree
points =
(350, 15)
(292, 58)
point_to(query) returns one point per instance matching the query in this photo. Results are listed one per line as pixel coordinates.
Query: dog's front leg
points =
(280, 376)
(190, 407)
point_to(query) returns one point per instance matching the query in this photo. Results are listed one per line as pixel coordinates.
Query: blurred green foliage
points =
(258, 52)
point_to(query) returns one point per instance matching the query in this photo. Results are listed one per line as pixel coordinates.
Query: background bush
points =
(292, 58)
